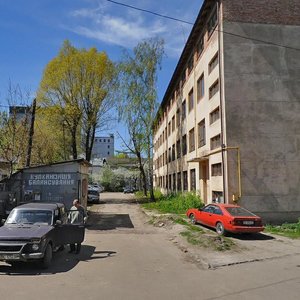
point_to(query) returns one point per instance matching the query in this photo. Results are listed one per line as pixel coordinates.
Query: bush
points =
(175, 203)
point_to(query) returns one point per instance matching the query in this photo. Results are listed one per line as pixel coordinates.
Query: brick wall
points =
(262, 11)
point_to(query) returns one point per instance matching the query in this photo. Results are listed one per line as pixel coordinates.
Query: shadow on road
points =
(62, 262)
(107, 221)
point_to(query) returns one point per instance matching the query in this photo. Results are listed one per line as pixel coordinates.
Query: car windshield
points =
(239, 211)
(38, 217)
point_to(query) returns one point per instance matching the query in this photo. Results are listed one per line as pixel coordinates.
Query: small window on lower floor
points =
(216, 169)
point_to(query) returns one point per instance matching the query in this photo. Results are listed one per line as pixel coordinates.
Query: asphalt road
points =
(123, 257)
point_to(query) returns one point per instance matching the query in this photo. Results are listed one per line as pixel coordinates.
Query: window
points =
(183, 78)
(201, 134)
(192, 140)
(178, 150)
(191, 64)
(200, 87)
(173, 123)
(191, 100)
(170, 181)
(173, 152)
(212, 23)
(214, 89)
(169, 128)
(108, 140)
(166, 157)
(170, 154)
(100, 140)
(184, 146)
(107, 153)
(185, 181)
(183, 110)
(215, 142)
(193, 179)
(107, 146)
(213, 63)
(174, 182)
(104, 140)
(178, 117)
(214, 115)
(179, 182)
(96, 140)
(216, 169)
(200, 46)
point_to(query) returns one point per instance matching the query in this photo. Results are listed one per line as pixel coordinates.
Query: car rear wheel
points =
(46, 260)
(220, 229)
(192, 218)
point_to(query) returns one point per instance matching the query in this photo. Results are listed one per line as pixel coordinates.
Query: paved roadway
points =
(125, 258)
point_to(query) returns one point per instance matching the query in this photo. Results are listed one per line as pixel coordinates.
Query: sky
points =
(33, 31)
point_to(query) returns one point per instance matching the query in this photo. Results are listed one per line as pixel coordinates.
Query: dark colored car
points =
(93, 196)
(226, 218)
(33, 231)
(128, 190)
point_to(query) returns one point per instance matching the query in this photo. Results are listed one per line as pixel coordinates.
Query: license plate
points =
(248, 222)
(9, 256)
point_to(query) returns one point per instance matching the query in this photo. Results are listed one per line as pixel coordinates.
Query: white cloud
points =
(128, 28)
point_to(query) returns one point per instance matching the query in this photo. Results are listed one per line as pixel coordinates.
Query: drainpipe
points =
(221, 103)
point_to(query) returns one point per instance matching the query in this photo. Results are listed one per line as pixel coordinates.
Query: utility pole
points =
(31, 132)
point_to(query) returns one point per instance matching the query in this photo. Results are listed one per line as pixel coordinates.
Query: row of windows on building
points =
(181, 114)
(180, 148)
(213, 117)
(198, 50)
(195, 55)
(179, 181)
(97, 140)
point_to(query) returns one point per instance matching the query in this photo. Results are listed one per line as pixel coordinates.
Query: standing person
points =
(77, 216)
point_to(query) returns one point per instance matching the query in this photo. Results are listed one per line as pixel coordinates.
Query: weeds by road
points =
(291, 230)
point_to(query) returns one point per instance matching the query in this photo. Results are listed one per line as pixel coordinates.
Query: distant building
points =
(104, 146)
(228, 125)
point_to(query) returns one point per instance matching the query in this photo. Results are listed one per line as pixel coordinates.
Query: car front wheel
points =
(46, 261)
(192, 218)
(220, 229)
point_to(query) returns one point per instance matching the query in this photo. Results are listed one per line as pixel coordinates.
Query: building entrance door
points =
(204, 176)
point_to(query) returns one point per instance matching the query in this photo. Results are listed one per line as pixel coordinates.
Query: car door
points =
(68, 231)
(207, 215)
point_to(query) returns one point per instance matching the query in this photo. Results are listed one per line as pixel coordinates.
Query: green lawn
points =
(291, 230)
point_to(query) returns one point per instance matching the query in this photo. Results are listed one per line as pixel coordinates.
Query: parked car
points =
(33, 231)
(128, 190)
(226, 218)
(93, 196)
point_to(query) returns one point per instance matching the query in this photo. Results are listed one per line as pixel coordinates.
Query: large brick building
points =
(229, 125)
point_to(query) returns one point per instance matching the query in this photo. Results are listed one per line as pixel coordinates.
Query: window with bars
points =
(201, 134)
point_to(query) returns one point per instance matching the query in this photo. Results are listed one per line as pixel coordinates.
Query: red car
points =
(226, 217)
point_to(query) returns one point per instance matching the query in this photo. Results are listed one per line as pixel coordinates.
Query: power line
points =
(186, 22)
(150, 12)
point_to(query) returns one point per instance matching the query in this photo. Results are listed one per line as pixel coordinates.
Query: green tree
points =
(138, 77)
(75, 85)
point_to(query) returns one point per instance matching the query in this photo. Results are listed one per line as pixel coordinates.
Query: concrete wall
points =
(262, 96)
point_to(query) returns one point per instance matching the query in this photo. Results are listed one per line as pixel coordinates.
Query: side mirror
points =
(58, 222)
(3, 221)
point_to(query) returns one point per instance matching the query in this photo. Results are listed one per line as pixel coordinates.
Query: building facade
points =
(228, 126)
(104, 147)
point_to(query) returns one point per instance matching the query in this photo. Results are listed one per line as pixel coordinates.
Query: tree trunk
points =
(74, 144)
(144, 178)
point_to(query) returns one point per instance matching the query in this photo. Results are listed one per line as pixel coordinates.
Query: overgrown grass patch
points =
(290, 230)
(175, 203)
(216, 243)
